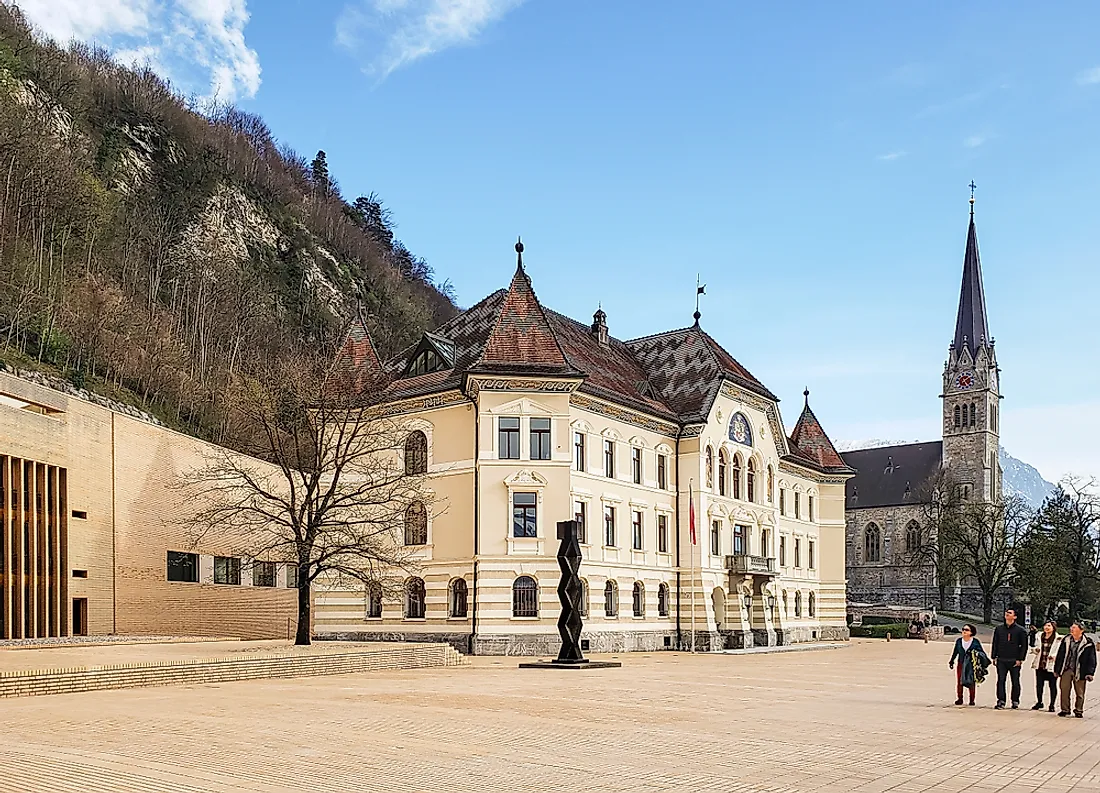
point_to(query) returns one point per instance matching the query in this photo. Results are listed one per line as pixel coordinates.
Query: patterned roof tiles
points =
(810, 441)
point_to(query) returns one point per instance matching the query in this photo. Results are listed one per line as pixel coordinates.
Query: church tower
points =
(971, 388)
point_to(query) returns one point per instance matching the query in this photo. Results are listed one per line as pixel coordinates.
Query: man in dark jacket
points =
(1075, 666)
(1009, 651)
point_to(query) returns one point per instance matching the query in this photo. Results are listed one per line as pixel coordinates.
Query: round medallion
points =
(740, 431)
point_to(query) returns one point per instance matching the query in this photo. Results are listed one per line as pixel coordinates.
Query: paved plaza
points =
(873, 716)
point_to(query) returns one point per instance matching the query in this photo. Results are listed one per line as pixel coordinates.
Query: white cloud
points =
(894, 155)
(1089, 76)
(389, 34)
(974, 141)
(197, 44)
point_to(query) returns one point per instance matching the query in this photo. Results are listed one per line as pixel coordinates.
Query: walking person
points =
(1009, 652)
(1045, 647)
(967, 650)
(1075, 666)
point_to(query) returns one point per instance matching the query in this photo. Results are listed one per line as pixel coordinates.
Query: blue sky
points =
(810, 160)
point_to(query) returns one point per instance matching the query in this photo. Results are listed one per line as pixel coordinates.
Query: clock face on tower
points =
(965, 380)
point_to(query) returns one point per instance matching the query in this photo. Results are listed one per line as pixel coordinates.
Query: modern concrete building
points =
(91, 540)
(523, 417)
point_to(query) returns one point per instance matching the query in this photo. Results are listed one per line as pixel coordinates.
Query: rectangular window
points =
(183, 567)
(810, 507)
(227, 570)
(739, 540)
(765, 542)
(797, 552)
(609, 526)
(609, 458)
(292, 576)
(662, 472)
(540, 439)
(662, 533)
(636, 465)
(782, 551)
(508, 438)
(715, 540)
(798, 506)
(636, 531)
(580, 514)
(782, 501)
(578, 451)
(263, 574)
(810, 558)
(524, 515)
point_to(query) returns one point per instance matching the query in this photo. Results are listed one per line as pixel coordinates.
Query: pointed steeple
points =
(522, 339)
(357, 357)
(971, 324)
(810, 440)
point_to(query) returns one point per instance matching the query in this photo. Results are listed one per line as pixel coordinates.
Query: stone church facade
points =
(888, 504)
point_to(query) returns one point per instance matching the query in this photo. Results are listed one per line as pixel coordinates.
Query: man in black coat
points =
(1075, 666)
(1010, 644)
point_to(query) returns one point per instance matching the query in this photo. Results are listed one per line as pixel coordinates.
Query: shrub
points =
(897, 630)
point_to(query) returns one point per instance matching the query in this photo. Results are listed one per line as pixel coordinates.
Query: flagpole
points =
(694, 529)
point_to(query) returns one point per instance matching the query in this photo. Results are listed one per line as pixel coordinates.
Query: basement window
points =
(80, 573)
(81, 514)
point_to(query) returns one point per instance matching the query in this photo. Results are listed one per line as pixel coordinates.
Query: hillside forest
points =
(152, 250)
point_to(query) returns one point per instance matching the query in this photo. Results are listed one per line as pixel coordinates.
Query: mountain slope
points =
(1020, 479)
(150, 252)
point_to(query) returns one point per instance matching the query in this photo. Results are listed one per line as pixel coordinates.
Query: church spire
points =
(971, 324)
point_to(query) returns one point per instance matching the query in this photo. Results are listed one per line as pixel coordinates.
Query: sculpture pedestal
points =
(571, 665)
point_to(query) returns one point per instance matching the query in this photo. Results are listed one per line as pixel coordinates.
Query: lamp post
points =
(771, 604)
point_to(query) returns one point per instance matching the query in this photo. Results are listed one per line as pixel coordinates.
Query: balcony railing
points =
(745, 564)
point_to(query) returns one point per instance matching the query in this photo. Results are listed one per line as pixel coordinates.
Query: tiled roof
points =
(521, 341)
(891, 475)
(810, 441)
(357, 357)
(686, 367)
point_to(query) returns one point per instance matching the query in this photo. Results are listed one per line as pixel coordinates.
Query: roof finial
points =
(972, 187)
(700, 289)
(806, 395)
(519, 253)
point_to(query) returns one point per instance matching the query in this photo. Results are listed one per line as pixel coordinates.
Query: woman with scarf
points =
(968, 650)
(1045, 647)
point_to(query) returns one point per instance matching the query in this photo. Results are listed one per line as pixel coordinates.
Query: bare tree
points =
(332, 486)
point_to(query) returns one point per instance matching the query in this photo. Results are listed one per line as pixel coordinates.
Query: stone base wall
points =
(966, 599)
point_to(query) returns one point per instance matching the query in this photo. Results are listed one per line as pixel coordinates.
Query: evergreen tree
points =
(318, 169)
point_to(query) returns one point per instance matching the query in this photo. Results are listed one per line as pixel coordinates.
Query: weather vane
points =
(700, 289)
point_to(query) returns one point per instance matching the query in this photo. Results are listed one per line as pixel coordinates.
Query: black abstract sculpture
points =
(570, 593)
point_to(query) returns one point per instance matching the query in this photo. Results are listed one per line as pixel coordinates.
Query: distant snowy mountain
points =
(1020, 479)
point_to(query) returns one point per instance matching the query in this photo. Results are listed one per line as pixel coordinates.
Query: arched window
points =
(811, 605)
(872, 543)
(723, 466)
(709, 473)
(582, 606)
(750, 481)
(639, 599)
(458, 598)
(771, 485)
(973, 415)
(737, 476)
(912, 537)
(958, 419)
(414, 599)
(416, 453)
(416, 524)
(610, 599)
(798, 604)
(525, 597)
(374, 601)
(662, 600)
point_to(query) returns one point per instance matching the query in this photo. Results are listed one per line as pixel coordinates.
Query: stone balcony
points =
(747, 564)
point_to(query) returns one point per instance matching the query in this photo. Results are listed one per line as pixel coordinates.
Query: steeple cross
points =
(972, 187)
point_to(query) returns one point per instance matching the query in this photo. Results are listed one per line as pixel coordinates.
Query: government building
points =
(889, 501)
(700, 518)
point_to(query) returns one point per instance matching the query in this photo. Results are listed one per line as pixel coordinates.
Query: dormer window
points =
(433, 354)
(426, 362)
